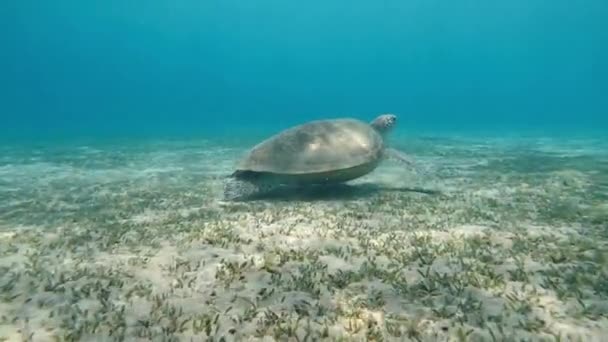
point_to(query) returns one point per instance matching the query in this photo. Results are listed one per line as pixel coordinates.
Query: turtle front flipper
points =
(401, 157)
(238, 189)
(392, 154)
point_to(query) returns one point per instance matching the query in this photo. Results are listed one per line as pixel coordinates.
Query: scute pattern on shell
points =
(316, 146)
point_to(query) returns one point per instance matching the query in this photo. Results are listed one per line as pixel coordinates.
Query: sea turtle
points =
(317, 152)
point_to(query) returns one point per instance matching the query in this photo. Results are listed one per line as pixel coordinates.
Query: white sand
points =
(147, 235)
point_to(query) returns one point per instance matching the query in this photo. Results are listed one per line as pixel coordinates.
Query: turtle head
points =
(384, 123)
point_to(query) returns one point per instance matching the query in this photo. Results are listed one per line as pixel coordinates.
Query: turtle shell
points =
(323, 147)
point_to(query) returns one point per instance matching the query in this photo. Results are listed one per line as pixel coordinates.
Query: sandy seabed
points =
(495, 240)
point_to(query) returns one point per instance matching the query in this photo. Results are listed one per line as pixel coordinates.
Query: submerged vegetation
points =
(133, 244)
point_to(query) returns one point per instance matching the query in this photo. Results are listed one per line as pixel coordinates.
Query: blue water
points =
(171, 68)
(120, 121)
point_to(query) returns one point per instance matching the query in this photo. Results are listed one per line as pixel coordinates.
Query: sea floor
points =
(487, 240)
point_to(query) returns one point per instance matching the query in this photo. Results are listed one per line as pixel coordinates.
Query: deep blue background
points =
(163, 67)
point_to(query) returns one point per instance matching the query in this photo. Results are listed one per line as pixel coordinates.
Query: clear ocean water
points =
(119, 121)
(73, 68)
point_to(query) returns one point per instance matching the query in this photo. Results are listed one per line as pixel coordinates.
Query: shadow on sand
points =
(334, 192)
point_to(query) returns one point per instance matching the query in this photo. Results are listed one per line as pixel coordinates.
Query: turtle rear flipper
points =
(236, 189)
